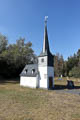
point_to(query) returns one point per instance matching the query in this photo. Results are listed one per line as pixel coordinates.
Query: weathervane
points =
(46, 17)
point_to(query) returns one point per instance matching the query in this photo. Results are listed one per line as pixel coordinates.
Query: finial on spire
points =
(46, 17)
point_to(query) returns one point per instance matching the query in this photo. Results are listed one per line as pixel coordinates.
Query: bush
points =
(75, 72)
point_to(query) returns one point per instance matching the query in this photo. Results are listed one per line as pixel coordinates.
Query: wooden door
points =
(50, 82)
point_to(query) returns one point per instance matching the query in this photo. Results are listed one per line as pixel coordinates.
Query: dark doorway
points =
(50, 82)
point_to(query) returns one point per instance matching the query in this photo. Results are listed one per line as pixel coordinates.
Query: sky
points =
(25, 18)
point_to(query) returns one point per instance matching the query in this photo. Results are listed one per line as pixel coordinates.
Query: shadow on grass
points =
(62, 87)
(9, 80)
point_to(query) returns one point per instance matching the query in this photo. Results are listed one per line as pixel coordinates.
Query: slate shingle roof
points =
(27, 71)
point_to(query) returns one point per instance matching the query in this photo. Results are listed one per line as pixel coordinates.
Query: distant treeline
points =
(70, 67)
(13, 58)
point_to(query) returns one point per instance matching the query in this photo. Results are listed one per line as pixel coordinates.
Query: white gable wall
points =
(45, 73)
(28, 81)
(40, 63)
(50, 74)
(43, 77)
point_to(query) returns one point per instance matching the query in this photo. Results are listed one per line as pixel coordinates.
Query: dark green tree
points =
(15, 57)
(3, 43)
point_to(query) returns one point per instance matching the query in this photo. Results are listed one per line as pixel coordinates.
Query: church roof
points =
(45, 50)
(46, 43)
(30, 70)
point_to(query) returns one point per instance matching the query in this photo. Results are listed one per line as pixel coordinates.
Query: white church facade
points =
(40, 75)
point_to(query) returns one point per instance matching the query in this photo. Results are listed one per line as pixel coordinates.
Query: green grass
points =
(20, 103)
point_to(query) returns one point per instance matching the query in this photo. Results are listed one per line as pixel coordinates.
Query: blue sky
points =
(25, 18)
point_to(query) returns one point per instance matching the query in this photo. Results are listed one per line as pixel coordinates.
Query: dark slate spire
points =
(45, 43)
(46, 50)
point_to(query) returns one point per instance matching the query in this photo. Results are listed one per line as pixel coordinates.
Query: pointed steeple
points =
(45, 43)
(46, 50)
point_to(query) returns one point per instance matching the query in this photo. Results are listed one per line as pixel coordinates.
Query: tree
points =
(65, 68)
(61, 64)
(58, 65)
(56, 70)
(15, 57)
(78, 53)
(3, 43)
(71, 63)
(75, 72)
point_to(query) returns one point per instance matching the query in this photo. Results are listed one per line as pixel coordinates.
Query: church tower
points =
(45, 63)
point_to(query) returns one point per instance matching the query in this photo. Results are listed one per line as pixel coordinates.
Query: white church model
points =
(40, 75)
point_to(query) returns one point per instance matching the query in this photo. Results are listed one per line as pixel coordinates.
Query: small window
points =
(42, 60)
(33, 71)
(26, 70)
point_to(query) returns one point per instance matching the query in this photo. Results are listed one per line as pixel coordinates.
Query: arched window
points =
(33, 71)
(26, 70)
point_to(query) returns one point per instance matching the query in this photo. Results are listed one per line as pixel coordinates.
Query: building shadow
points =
(62, 87)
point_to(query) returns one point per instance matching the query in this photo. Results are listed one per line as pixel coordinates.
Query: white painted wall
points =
(42, 67)
(45, 73)
(50, 74)
(42, 63)
(43, 77)
(28, 81)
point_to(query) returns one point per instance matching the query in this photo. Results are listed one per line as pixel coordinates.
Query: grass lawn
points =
(19, 103)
